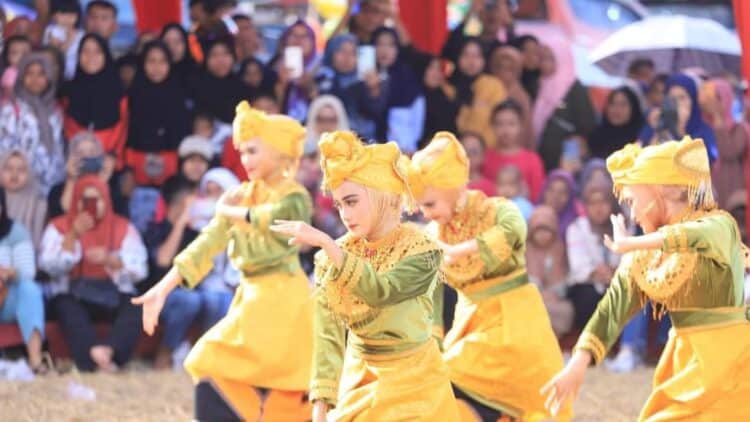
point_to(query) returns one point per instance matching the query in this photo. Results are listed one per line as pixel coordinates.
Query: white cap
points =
(196, 144)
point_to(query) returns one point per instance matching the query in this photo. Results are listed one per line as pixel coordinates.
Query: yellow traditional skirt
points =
(411, 386)
(501, 350)
(265, 341)
(703, 375)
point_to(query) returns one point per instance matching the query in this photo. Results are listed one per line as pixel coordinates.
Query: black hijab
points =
(460, 80)
(608, 138)
(95, 99)
(187, 65)
(266, 83)
(403, 85)
(159, 117)
(529, 77)
(5, 222)
(218, 95)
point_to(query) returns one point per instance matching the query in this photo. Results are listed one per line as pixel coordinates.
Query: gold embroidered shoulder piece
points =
(664, 278)
(382, 255)
(478, 215)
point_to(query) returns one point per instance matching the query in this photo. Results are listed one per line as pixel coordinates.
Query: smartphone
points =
(365, 59)
(571, 150)
(293, 61)
(89, 206)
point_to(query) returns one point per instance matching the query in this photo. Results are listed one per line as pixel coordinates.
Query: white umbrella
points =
(673, 43)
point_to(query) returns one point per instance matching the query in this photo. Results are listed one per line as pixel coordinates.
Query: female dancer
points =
(265, 341)
(377, 282)
(501, 347)
(689, 264)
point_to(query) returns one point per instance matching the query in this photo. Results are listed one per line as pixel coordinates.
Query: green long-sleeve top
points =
(381, 293)
(252, 247)
(699, 266)
(500, 232)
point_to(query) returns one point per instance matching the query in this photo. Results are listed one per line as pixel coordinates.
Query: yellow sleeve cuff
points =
(592, 344)
(324, 390)
(675, 239)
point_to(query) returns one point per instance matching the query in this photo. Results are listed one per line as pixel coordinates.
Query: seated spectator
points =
(186, 216)
(559, 192)
(94, 259)
(592, 265)
(127, 66)
(184, 65)
(57, 60)
(159, 117)
(530, 49)
(95, 99)
(363, 101)
(595, 171)
(506, 64)
(294, 95)
(475, 147)
(507, 124)
(32, 121)
(266, 103)
(63, 32)
(441, 106)
(732, 140)
(25, 205)
(101, 19)
(621, 123)
(14, 48)
(195, 155)
(363, 18)
(510, 185)
(562, 109)
(326, 115)
(215, 87)
(547, 266)
(256, 77)
(478, 93)
(20, 297)
(85, 156)
(656, 91)
(402, 118)
(248, 38)
(496, 18)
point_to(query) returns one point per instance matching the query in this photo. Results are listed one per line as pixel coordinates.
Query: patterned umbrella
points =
(673, 43)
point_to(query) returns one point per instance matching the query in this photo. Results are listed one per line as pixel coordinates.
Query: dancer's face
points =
(646, 206)
(438, 204)
(259, 159)
(352, 200)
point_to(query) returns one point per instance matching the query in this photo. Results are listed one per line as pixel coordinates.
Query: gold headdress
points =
(442, 164)
(280, 132)
(683, 163)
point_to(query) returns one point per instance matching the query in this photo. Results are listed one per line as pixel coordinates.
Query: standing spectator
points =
(559, 193)
(183, 64)
(295, 95)
(64, 34)
(496, 19)
(216, 88)
(656, 91)
(441, 107)
(506, 64)
(14, 49)
(248, 40)
(683, 90)
(732, 139)
(96, 99)
(85, 156)
(477, 93)
(531, 55)
(641, 72)
(362, 23)
(592, 265)
(403, 117)
(363, 101)
(507, 122)
(547, 266)
(94, 258)
(510, 185)
(25, 204)
(595, 171)
(20, 297)
(474, 146)
(563, 109)
(32, 121)
(159, 118)
(101, 19)
(621, 123)
(57, 59)
(209, 302)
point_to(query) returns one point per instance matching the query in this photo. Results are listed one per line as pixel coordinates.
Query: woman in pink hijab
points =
(728, 173)
(563, 108)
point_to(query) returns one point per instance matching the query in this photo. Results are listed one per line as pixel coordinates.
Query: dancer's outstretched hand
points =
(301, 233)
(153, 302)
(565, 385)
(618, 242)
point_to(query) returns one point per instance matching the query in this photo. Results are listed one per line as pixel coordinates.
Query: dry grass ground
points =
(165, 396)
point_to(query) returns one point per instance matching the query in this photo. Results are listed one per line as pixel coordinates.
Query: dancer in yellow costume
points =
(690, 263)
(377, 282)
(501, 348)
(255, 363)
